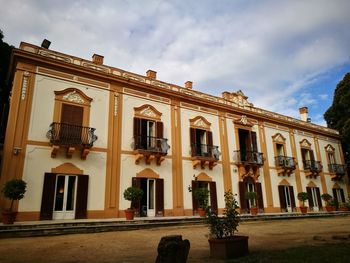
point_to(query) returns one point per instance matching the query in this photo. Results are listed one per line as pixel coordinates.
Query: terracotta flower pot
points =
(201, 212)
(229, 247)
(344, 209)
(8, 217)
(129, 214)
(330, 208)
(303, 209)
(254, 211)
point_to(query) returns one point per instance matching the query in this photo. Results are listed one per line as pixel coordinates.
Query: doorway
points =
(148, 200)
(65, 196)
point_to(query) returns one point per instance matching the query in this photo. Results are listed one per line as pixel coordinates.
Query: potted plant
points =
(132, 194)
(343, 206)
(222, 241)
(251, 196)
(330, 206)
(303, 196)
(13, 190)
(201, 194)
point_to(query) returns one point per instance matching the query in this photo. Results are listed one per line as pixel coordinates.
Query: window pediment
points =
(278, 138)
(200, 122)
(147, 173)
(147, 112)
(330, 148)
(311, 184)
(284, 182)
(243, 120)
(305, 144)
(73, 95)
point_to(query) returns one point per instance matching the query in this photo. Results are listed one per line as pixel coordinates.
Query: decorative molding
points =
(329, 148)
(147, 173)
(73, 97)
(147, 111)
(115, 105)
(243, 120)
(200, 122)
(305, 144)
(278, 138)
(24, 85)
(67, 168)
(237, 98)
(203, 177)
(311, 184)
(284, 182)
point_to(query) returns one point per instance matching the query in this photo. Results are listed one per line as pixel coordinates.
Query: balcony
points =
(248, 162)
(150, 148)
(203, 154)
(337, 171)
(285, 165)
(312, 168)
(71, 137)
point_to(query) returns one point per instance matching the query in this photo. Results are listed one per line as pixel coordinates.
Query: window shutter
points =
(136, 182)
(210, 143)
(72, 114)
(48, 195)
(254, 142)
(260, 196)
(312, 156)
(292, 198)
(318, 197)
(335, 197)
(282, 197)
(309, 193)
(193, 141)
(159, 197)
(242, 200)
(160, 128)
(82, 194)
(213, 197)
(342, 195)
(194, 201)
(137, 133)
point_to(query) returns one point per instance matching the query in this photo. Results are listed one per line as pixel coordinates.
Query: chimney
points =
(188, 84)
(151, 74)
(97, 59)
(304, 114)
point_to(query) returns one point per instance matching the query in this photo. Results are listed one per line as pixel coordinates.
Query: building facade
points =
(80, 132)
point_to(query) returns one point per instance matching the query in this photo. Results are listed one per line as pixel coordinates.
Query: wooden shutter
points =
(319, 201)
(82, 195)
(335, 197)
(48, 195)
(312, 156)
(72, 114)
(136, 182)
(209, 143)
(194, 201)
(254, 142)
(159, 197)
(260, 196)
(342, 195)
(137, 133)
(160, 128)
(309, 193)
(193, 141)
(292, 198)
(282, 198)
(213, 197)
(242, 190)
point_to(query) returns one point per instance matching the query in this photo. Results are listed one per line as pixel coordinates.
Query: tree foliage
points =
(338, 114)
(5, 54)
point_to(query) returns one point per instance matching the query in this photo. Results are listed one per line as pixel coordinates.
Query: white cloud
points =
(272, 50)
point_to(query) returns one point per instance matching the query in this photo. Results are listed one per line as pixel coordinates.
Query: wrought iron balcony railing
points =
(313, 166)
(204, 150)
(285, 162)
(151, 144)
(338, 169)
(249, 157)
(71, 135)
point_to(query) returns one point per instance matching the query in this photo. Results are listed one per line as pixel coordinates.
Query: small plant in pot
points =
(223, 242)
(12, 190)
(303, 196)
(132, 194)
(251, 196)
(330, 205)
(201, 194)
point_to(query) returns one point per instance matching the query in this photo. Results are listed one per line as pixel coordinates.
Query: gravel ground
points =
(141, 245)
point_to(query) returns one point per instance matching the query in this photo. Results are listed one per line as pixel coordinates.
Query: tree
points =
(338, 114)
(5, 55)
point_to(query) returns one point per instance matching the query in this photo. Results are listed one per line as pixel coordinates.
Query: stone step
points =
(50, 228)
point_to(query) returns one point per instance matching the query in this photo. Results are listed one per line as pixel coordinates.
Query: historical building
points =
(80, 132)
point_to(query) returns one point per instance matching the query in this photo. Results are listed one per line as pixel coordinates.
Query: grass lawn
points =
(339, 252)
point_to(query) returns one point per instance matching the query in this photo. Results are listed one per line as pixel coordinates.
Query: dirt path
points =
(141, 245)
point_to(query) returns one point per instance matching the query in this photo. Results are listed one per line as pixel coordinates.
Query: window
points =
(248, 147)
(314, 200)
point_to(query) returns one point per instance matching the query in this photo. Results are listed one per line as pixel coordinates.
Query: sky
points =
(282, 54)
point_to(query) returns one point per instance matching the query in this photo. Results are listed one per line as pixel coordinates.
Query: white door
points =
(151, 197)
(288, 200)
(65, 196)
(314, 199)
